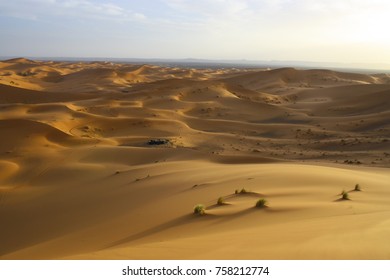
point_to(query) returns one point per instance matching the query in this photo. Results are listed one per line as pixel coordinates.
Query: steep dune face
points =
(103, 160)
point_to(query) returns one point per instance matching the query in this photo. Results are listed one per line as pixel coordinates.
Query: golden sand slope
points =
(79, 178)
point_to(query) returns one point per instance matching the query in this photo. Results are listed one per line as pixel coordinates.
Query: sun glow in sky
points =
(343, 31)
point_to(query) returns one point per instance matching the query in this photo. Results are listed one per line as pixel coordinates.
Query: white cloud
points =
(203, 9)
(83, 9)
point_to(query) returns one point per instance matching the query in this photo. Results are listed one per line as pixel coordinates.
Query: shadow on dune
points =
(189, 219)
(186, 220)
(242, 159)
(232, 217)
(341, 199)
(178, 222)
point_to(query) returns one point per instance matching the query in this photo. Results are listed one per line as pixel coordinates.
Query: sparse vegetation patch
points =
(221, 201)
(199, 209)
(158, 142)
(357, 188)
(344, 195)
(243, 190)
(261, 203)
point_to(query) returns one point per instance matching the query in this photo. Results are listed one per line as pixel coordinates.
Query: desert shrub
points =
(199, 209)
(243, 190)
(357, 187)
(158, 141)
(236, 191)
(344, 195)
(24, 74)
(262, 202)
(221, 200)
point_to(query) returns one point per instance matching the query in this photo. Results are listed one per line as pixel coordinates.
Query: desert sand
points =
(103, 160)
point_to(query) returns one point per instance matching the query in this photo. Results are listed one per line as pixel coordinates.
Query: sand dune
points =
(106, 161)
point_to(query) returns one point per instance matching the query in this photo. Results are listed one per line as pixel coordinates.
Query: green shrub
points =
(357, 188)
(243, 190)
(221, 201)
(261, 203)
(344, 195)
(199, 209)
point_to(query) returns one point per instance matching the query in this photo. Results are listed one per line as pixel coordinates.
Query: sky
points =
(341, 31)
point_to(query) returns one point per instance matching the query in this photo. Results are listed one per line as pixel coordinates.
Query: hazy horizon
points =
(215, 63)
(335, 32)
